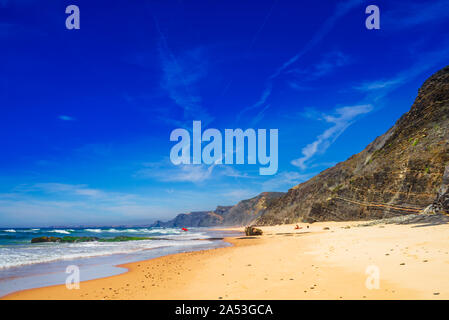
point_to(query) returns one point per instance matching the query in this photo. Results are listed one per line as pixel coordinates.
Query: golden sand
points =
(412, 262)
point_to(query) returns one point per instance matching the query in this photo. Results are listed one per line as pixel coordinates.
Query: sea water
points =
(24, 265)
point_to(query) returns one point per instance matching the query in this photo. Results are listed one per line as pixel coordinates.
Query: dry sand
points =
(284, 263)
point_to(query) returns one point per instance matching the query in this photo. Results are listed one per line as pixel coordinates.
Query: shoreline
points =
(129, 267)
(35, 275)
(285, 263)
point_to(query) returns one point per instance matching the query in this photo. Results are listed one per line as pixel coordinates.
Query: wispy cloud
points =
(239, 194)
(341, 119)
(377, 85)
(61, 203)
(270, 11)
(285, 180)
(341, 10)
(67, 190)
(327, 65)
(165, 171)
(187, 173)
(378, 89)
(374, 92)
(66, 118)
(180, 76)
(259, 116)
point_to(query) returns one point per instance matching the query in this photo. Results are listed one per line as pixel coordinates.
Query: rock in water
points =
(251, 231)
(70, 239)
(399, 173)
(45, 239)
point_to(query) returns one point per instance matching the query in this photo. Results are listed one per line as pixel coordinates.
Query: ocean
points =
(25, 265)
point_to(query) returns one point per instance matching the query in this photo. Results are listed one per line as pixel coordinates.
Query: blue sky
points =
(86, 115)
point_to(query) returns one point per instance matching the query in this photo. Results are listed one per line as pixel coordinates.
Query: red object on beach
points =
(185, 229)
(298, 227)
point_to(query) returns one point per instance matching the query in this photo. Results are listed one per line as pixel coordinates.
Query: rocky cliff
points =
(400, 172)
(192, 219)
(246, 211)
(441, 203)
(242, 213)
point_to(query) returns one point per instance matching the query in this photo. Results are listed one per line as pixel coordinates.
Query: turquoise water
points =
(25, 265)
(16, 248)
(11, 236)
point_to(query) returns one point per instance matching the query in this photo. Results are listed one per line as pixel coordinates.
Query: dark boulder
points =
(45, 239)
(67, 239)
(70, 239)
(251, 231)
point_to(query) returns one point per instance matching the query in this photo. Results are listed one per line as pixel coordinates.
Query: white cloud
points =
(341, 119)
(181, 74)
(165, 171)
(42, 204)
(377, 85)
(378, 89)
(72, 191)
(285, 180)
(66, 118)
(188, 173)
(239, 194)
(341, 10)
(374, 92)
(328, 64)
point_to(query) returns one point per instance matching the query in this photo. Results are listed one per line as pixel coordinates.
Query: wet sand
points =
(411, 261)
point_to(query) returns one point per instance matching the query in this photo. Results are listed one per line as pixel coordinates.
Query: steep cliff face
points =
(441, 203)
(246, 211)
(240, 214)
(192, 219)
(400, 172)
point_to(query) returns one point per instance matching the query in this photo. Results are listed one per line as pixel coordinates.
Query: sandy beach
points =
(328, 260)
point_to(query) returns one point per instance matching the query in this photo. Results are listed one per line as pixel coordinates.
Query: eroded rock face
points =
(246, 211)
(441, 203)
(192, 219)
(399, 173)
(243, 213)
